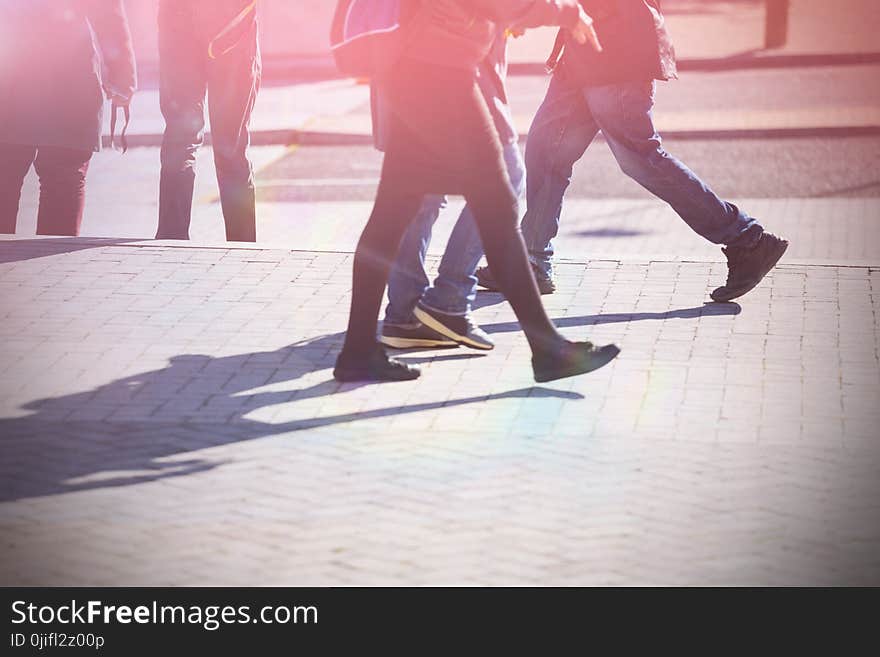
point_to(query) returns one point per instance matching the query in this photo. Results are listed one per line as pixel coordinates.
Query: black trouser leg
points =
(15, 162)
(397, 202)
(495, 211)
(62, 174)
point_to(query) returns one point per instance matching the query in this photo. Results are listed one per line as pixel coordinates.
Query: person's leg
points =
(233, 84)
(624, 113)
(62, 173)
(398, 200)
(182, 87)
(409, 280)
(15, 162)
(495, 212)
(560, 133)
(449, 300)
(455, 287)
(451, 147)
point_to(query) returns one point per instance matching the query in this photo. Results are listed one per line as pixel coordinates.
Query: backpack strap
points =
(556, 55)
(114, 111)
(231, 25)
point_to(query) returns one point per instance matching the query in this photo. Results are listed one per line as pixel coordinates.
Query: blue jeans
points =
(566, 124)
(187, 76)
(455, 286)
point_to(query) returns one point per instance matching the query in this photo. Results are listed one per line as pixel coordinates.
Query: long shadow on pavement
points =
(18, 250)
(136, 429)
(706, 310)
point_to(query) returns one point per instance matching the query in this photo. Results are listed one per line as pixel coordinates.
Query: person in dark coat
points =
(53, 79)
(613, 91)
(207, 48)
(442, 140)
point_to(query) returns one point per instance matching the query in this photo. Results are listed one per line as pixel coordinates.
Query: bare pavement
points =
(168, 414)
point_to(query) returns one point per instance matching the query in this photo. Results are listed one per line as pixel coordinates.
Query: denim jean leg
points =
(408, 279)
(561, 131)
(233, 84)
(624, 112)
(183, 85)
(455, 287)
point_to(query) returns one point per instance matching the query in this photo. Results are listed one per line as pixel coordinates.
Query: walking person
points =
(421, 315)
(613, 91)
(54, 77)
(442, 140)
(207, 49)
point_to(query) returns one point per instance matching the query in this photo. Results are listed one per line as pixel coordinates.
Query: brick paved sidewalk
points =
(168, 417)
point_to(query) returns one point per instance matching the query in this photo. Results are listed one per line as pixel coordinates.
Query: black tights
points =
(445, 145)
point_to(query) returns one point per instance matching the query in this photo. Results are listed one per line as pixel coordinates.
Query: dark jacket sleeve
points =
(110, 23)
(529, 13)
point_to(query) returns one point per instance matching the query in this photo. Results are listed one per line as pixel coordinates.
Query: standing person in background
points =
(613, 91)
(414, 305)
(442, 140)
(53, 79)
(207, 48)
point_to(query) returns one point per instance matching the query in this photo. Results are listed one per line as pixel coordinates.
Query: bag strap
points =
(556, 55)
(231, 25)
(114, 111)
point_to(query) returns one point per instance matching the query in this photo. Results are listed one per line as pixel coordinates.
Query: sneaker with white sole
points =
(456, 327)
(413, 336)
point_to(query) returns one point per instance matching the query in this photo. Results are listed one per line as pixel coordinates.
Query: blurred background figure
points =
(54, 75)
(207, 48)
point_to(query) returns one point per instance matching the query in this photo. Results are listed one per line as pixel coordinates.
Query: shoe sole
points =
(597, 361)
(542, 290)
(415, 343)
(429, 321)
(719, 297)
(359, 375)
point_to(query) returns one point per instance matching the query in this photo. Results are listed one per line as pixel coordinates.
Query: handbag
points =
(368, 36)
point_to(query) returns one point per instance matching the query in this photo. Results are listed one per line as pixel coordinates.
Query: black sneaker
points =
(747, 267)
(457, 327)
(546, 284)
(375, 367)
(415, 336)
(572, 359)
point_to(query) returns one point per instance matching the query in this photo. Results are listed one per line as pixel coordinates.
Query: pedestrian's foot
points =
(746, 267)
(459, 328)
(546, 284)
(413, 336)
(376, 366)
(570, 359)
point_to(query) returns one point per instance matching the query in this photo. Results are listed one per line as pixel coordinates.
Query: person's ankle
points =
(549, 347)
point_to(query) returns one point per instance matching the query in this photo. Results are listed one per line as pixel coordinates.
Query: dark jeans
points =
(442, 140)
(230, 82)
(62, 173)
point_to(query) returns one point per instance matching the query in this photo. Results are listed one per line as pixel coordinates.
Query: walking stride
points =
(442, 140)
(420, 314)
(612, 91)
